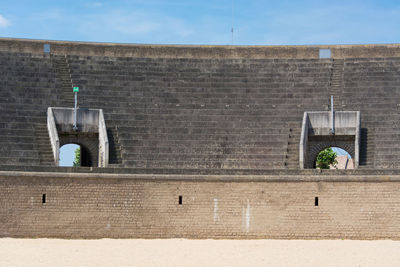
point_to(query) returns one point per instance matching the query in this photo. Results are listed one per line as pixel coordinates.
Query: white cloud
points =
(4, 23)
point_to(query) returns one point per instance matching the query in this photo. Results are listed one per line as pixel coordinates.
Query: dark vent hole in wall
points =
(44, 198)
(316, 201)
(180, 200)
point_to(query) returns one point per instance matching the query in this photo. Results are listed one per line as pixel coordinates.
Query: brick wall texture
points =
(149, 208)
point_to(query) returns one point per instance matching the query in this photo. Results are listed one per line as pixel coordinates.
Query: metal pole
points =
(332, 117)
(76, 104)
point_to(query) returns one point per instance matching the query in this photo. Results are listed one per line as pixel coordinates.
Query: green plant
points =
(326, 158)
(77, 160)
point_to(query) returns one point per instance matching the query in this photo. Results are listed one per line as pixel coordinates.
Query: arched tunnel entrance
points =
(333, 158)
(317, 144)
(323, 129)
(89, 147)
(75, 155)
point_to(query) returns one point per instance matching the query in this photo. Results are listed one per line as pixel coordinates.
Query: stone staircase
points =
(43, 144)
(115, 158)
(65, 84)
(336, 84)
(292, 150)
(367, 148)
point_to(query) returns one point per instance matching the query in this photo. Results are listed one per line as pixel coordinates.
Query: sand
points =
(182, 252)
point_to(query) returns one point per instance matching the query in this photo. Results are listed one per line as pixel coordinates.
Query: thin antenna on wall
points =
(232, 23)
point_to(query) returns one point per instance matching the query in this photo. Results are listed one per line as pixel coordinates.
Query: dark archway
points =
(89, 143)
(67, 155)
(86, 157)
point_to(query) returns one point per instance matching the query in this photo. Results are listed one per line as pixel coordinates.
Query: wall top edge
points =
(205, 178)
(199, 51)
(324, 46)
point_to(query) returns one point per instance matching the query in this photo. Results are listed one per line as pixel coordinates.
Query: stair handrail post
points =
(332, 117)
(75, 90)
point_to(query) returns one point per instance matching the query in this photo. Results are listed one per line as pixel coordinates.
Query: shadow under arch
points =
(86, 156)
(89, 145)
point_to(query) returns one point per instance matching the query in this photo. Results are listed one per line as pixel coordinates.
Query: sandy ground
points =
(182, 252)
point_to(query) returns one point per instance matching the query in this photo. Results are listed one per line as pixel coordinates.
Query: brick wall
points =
(100, 205)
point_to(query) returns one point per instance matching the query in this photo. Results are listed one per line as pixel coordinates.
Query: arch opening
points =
(75, 155)
(333, 158)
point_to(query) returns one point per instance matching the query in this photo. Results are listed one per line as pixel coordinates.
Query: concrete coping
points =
(204, 178)
(197, 51)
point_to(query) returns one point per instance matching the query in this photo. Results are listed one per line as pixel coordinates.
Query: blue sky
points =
(67, 154)
(204, 22)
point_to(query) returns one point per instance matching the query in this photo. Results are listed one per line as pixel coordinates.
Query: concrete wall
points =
(197, 51)
(53, 136)
(87, 120)
(146, 206)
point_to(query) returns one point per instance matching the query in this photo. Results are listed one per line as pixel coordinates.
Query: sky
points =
(255, 22)
(67, 154)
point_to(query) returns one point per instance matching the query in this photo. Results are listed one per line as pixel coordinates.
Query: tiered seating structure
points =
(204, 113)
(372, 86)
(174, 113)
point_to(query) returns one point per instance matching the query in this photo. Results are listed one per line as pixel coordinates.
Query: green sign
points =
(76, 89)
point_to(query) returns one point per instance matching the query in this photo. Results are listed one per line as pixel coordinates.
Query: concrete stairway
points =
(292, 150)
(336, 84)
(367, 149)
(43, 144)
(115, 159)
(64, 89)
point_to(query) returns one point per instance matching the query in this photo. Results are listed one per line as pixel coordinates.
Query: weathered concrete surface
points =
(183, 108)
(87, 119)
(197, 51)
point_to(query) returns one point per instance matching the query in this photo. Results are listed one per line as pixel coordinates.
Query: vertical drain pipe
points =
(332, 117)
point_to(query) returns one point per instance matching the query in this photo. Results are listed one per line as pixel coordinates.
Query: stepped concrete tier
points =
(194, 107)
(203, 141)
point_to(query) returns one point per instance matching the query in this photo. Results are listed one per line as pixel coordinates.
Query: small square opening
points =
(316, 201)
(180, 200)
(325, 53)
(46, 48)
(44, 198)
